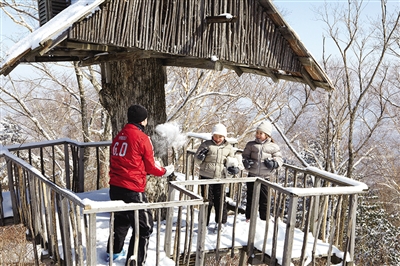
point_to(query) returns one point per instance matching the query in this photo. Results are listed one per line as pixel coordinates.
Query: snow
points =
(100, 199)
(226, 15)
(95, 201)
(53, 29)
(168, 136)
(214, 58)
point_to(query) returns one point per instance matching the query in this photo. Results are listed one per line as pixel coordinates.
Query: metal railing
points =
(62, 223)
(63, 162)
(320, 205)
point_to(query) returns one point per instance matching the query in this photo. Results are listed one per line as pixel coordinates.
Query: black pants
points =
(262, 208)
(125, 220)
(214, 196)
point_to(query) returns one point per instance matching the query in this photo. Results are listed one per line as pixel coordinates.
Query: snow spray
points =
(167, 136)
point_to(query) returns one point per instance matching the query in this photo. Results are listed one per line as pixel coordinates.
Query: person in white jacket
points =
(213, 156)
(261, 158)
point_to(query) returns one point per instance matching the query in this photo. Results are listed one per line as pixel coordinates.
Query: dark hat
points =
(136, 113)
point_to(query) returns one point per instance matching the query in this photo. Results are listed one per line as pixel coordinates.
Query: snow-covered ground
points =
(241, 235)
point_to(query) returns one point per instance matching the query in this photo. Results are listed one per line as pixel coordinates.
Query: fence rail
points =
(320, 206)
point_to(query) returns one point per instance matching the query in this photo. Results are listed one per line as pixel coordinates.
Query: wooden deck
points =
(56, 214)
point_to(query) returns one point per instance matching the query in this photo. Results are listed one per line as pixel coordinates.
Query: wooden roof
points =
(245, 36)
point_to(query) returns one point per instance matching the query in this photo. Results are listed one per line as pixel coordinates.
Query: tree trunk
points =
(133, 82)
(136, 82)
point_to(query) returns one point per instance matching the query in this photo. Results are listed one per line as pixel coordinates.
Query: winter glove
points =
(247, 163)
(169, 170)
(171, 177)
(232, 170)
(271, 164)
(202, 154)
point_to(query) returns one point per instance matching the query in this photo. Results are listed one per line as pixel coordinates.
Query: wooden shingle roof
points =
(245, 36)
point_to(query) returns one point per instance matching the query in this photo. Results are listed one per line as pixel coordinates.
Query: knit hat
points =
(136, 113)
(219, 129)
(265, 127)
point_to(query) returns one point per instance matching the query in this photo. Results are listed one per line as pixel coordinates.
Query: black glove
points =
(171, 177)
(232, 170)
(247, 163)
(202, 154)
(271, 164)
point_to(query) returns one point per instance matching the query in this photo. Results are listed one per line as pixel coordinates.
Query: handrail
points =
(36, 200)
(70, 161)
(59, 141)
(298, 198)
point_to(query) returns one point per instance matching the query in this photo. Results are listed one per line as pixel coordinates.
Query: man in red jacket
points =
(131, 159)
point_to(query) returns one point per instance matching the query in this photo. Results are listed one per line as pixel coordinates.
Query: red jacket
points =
(131, 159)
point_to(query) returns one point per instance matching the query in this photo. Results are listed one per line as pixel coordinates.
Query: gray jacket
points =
(213, 166)
(258, 151)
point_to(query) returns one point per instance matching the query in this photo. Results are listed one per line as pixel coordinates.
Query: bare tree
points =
(356, 118)
(361, 79)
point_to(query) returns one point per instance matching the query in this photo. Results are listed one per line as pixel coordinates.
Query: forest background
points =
(352, 131)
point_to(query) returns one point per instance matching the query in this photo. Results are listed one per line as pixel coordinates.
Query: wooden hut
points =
(245, 36)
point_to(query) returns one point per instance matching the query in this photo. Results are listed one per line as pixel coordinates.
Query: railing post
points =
(253, 218)
(290, 226)
(351, 230)
(11, 177)
(63, 210)
(314, 211)
(201, 236)
(187, 166)
(67, 170)
(91, 256)
(168, 226)
(81, 169)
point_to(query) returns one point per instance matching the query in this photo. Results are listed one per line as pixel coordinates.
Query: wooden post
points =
(306, 229)
(67, 170)
(201, 235)
(221, 207)
(91, 256)
(17, 218)
(64, 227)
(253, 218)
(81, 169)
(314, 211)
(111, 239)
(351, 230)
(268, 217)
(168, 226)
(290, 225)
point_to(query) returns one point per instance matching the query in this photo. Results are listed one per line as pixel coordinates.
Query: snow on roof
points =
(52, 29)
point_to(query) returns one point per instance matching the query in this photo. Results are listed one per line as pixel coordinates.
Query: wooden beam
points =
(272, 75)
(51, 44)
(218, 66)
(55, 58)
(87, 46)
(108, 57)
(306, 61)
(221, 19)
(308, 80)
(192, 63)
(237, 69)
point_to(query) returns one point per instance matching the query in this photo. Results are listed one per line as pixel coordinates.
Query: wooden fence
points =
(320, 205)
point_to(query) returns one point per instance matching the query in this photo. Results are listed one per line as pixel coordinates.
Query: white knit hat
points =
(265, 127)
(219, 129)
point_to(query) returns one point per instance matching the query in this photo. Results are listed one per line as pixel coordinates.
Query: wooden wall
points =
(179, 27)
